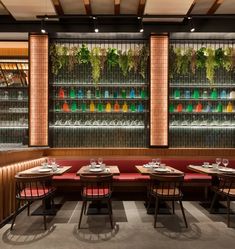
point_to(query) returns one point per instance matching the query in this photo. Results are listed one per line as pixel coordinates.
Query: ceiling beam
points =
(4, 6)
(191, 8)
(87, 5)
(117, 7)
(215, 6)
(141, 7)
(58, 7)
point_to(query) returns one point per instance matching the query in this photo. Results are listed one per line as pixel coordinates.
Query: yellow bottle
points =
(229, 107)
(92, 107)
(108, 107)
(125, 107)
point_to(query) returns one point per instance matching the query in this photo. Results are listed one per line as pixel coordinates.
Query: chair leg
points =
(28, 207)
(173, 207)
(149, 202)
(15, 214)
(85, 205)
(80, 219)
(155, 212)
(110, 213)
(228, 212)
(213, 202)
(182, 209)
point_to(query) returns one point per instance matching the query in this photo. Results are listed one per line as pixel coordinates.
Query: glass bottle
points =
(116, 107)
(196, 94)
(100, 107)
(132, 93)
(125, 107)
(88, 94)
(74, 106)
(61, 93)
(140, 107)
(83, 107)
(20, 95)
(97, 93)
(80, 94)
(133, 107)
(65, 107)
(106, 94)
(143, 93)
(171, 108)
(199, 107)
(214, 94)
(177, 94)
(219, 107)
(179, 107)
(229, 107)
(57, 107)
(123, 94)
(189, 108)
(72, 93)
(115, 93)
(92, 106)
(108, 107)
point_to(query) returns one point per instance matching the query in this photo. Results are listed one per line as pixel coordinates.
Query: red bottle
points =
(61, 93)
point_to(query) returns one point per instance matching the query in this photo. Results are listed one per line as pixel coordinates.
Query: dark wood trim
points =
(141, 7)
(117, 7)
(191, 8)
(214, 7)
(7, 10)
(58, 7)
(87, 5)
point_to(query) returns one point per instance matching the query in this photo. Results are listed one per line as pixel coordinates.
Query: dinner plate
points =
(161, 169)
(95, 169)
(226, 170)
(44, 170)
(207, 166)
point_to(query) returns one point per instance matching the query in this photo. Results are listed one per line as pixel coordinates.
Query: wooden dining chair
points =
(96, 188)
(30, 189)
(226, 189)
(166, 188)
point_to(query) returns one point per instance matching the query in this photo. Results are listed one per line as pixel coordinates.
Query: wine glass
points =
(225, 162)
(100, 161)
(92, 162)
(218, 161)
(158, 161)
(154, 161)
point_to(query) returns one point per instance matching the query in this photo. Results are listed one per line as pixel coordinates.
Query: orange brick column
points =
(38, 102)
(159, 90)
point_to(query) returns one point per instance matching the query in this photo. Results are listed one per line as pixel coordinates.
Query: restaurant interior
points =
(117, 124)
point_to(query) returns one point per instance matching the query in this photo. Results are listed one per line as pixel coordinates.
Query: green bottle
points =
(196, 94)
(189, 108)
(123, 93)
(72, 93)
(171, 108)
(133, 107)
(97, 93)
(57, 107)
(100, 107)
(214, 94)
(177, 94)
(74, 106)
(83, 107)
(219, 107)
(143, 94)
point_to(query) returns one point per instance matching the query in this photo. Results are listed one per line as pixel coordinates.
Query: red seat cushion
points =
(196, 177)
(34, 192)
(96, 192)
(129, 177)
(66, 177)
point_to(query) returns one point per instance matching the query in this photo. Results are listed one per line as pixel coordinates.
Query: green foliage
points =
(144, 55)
(95, 64)
(228, 59)
(183, 59)
(72, 61)
(200, 58)
(83, 55)
(210, 65)
(123, 62)
(59, 57)
(112, 57)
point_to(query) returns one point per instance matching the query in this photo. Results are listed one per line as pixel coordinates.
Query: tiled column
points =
(38, 103)
(159, 90)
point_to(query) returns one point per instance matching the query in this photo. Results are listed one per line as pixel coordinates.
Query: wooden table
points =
(34, 171)
(108, 170)
(147, 171)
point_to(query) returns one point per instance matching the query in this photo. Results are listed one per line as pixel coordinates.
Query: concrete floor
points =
(133, 229)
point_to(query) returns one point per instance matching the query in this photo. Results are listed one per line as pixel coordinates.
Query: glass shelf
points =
(14, 100)
(201, 99)
(118, 85)
(202, 113)
(208, 127)
(99, 99)
(97, 112)
(201, 86)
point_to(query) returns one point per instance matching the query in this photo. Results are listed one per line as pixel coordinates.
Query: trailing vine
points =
(54, 56)
(210, 65)
(123, 62)
(144, 55)
(95, 64)
(112, 57)
(83, 55)
(72, 61)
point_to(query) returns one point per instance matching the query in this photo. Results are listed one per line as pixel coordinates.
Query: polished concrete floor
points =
(133, 229)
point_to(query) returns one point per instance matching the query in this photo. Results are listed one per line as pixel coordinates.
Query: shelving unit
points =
(111, 113)
(14, 102)
(202, 114)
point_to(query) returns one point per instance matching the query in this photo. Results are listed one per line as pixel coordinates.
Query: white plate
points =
(161, 169)
(207, 166)
(95, 169)
(226, 170)
(44, 170)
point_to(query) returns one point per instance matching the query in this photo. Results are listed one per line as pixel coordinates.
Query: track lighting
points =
(43, 29)
(141, 27)
(96, 30)
(191, 24)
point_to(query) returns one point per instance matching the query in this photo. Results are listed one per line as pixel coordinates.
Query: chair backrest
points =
(167, 185)
(33, 187)
(96, 186)
(226, 183)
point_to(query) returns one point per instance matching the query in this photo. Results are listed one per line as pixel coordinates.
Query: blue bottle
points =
(140, 107)
(132, 93)
(80, 94)
(106, 94)
(223, 94)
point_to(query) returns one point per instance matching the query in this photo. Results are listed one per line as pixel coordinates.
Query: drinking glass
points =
(92, 162)
(100, 161)
(154, 161)
(218, 161)
(158, 161)
(225, 162)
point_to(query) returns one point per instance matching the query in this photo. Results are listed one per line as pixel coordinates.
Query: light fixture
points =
(191, 24)
(95, 24)
(141, 27)
(43, 29)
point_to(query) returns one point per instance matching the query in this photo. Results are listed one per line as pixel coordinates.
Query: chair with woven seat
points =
(96, 188)
(226, 189)
(166, 188)
(33, 188)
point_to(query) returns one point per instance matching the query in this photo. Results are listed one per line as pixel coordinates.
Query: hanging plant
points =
(123, 62)
(95, 64)
(228, 59)
(172, 59)
(193, 61)
(183, 60)
(178, 55)
(54, 56)
(219, 57)
(210, 65)
(103, 58)
(136, 59)
(112, 57)
(144, 55)
(200, 58)
(63, 54)
(83, 55)
(72, 61)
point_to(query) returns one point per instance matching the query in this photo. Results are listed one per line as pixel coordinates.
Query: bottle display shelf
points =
(201, 113)
(201, 99)
(97, 127)
(198, 85)
(98, 99)
(92, 85)
(207, 127)
(98, 112)
(13, 100)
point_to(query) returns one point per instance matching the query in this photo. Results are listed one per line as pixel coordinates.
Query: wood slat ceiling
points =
(227, 7)
(73, 7)
(202, 6)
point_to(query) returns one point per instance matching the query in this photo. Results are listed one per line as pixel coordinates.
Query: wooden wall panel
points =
(38, 105)
(159, 90)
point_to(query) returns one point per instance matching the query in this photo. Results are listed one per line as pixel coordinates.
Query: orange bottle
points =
(116, 107)
(65, 107)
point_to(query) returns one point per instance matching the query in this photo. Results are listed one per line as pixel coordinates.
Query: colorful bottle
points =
(72, 93)
(106, 94)
(83, 106)
(177, 94)
(171, 108)
(187, 94)
(205, 94)
(196, 94)
(229, 107)
(57, 107)
(143, 93)
(133, 107)
(140, 107)
(123, 94)
(219, 108)
(199, 107)
(74, 106)
(116, 107)
(88, 94)
(208, 108)
(65, 107)
(61, 93)
(179, 108)
(92, 106)
(189, 108)
(108, 107)
(132, 93)
(80, 94)
(100, 107)
(214, 94)
(223, 94)
(115, 94)
(97, 93)
(125, 107)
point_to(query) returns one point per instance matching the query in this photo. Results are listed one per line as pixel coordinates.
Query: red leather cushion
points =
(89, 192)
(33, 192)
(128, 177)
(196, 177)
(66, 177)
